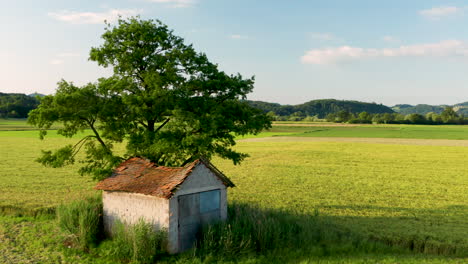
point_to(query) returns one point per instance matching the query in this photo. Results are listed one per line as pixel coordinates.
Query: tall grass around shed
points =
(137, 243)
(251, 230)
(82, 221)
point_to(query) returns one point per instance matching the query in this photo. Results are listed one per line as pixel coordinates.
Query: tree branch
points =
(82, 141)
(162, 125)
(142, 123)
(98, 137)
(190, 159)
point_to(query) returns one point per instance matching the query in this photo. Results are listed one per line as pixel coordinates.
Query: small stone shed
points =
(178, 199)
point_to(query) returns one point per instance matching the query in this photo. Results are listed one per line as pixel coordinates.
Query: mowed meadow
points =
(408, 194)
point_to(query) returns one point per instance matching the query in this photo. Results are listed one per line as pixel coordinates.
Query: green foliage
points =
(449, 116)
(421, 109)
(57, 159)
(170, 103)
(359, 121)
(460, 109)
(15, 105)
(320, 108)
(78, 109)
(137, 243)
(346, 111)
(297, 116)
(365, 116)
(415, 118)
(82, 220)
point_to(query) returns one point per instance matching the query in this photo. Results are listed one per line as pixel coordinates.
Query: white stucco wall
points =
(201, 179)
(131, 207)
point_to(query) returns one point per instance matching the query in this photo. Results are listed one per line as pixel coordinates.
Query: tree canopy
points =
(14, 105)
(165, 101)
(321, 108)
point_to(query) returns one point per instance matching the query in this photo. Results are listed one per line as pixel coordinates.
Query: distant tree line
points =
(15, 105)
(448, 116)
(317, 109)
(354, 112)
(461, 108)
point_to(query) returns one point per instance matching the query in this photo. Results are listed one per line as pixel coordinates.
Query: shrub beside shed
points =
(177, 199)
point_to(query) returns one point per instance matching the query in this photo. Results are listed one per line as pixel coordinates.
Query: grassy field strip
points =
(26, 185)
(29, 240)
(367, 131)
(407, 192)
(397, 141)
(15, 125)
(377, 189)
(399, 193)
(19, 128)
(318, 124)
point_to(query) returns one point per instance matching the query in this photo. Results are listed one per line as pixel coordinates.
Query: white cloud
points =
(175, 3)
(437, 13)
(74, 17)
(322, 36)
(447, 48)
(68, 54)
(61, 58)
(236, 36)
(390, 39)
(56, 62)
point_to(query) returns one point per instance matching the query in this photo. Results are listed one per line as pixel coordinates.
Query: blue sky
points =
(388, 52)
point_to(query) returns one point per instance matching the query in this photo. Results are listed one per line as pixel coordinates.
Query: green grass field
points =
(14, 125)
(367, 131)
(411, 196)
(395, 193)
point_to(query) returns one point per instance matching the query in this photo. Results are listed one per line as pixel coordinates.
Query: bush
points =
(359, 121)
(82, 220)
(137, 243)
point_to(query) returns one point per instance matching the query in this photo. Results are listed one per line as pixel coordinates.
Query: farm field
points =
(304, 129)
(14, 125)
(459, 132)
(413, 196)
(393, 192)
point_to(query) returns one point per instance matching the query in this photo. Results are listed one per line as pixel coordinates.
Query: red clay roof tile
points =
(138, 175)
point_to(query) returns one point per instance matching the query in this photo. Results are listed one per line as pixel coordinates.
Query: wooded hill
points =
(423, 109)
(16, 105)
(321, 108)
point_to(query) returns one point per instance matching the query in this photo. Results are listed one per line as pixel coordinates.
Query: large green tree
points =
(165, 101)
(449, 116)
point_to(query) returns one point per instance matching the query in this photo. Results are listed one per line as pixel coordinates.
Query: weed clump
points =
(137, 243)
(82, 221)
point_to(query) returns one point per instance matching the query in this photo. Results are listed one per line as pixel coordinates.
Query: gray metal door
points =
(196, 210)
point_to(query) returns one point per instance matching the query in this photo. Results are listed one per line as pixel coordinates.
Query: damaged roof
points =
(138, 175)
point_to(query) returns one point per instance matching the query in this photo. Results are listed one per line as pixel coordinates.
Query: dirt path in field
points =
(397, 141)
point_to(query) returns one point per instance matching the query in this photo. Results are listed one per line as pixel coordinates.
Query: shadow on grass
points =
(419, 239)
(283, 235)
(258, 235)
